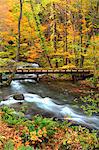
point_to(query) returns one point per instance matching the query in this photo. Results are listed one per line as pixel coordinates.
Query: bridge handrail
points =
(46, 70)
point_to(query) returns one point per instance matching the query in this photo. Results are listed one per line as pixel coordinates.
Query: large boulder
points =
(18, 97)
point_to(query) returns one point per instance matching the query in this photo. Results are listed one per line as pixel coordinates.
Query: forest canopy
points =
(54, 33)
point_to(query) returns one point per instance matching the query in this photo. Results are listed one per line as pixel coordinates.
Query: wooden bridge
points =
(37, 71)
(47, 71)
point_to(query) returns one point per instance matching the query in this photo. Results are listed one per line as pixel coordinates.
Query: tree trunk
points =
(19, 33)
(66, 39)
(81, 37)
(54, 29)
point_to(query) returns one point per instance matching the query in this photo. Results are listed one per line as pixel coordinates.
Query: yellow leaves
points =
(38, 135)
(45, 2)
(60, 54)
(33, 136)
(24, 45)
(43, 27)
(32, 54)
(69, 66)
(1, 113)
(25, 130)
(84, 54)
(27, 143)
(42, 132)
(83, 21)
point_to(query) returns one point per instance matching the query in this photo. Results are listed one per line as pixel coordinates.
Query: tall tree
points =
(19, 31)
(66, 38)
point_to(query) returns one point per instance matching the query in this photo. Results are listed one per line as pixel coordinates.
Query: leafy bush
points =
(25, 148)
(9, 145)
(11, 117)
(90, 104)
(93, 81)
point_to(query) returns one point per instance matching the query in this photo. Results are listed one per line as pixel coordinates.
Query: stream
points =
(41, 99)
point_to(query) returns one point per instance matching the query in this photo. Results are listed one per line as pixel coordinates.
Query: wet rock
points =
(1, 99)
(18, 97)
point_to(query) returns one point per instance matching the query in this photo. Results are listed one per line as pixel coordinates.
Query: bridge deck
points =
(48, 71)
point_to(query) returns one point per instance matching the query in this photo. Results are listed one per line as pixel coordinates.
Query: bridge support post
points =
(0, 77)
(74, 78)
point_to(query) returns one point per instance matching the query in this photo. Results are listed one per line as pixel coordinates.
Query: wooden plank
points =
(19, 70)
(81, 71)
(62, 71)
(68, 71)
(25, 70)
(56, 70)
(32, 71)
(74, 71)
(44, 71)
(87, 71)
(50, 71)
(37, 71)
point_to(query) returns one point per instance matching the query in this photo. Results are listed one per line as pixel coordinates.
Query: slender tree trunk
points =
(19, 32)
(94, 54)
(54, 29)
(55, 34)
(66, 38)
(81, 38)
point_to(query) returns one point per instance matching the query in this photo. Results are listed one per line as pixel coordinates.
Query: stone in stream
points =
(1, 99)
(18, 97)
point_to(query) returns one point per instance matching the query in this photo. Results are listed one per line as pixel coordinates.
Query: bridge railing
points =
(44, 70)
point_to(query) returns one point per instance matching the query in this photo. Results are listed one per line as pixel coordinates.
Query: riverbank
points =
(80, 88)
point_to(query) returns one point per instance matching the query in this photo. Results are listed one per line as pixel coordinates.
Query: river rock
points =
(18, 97)
(1, 99)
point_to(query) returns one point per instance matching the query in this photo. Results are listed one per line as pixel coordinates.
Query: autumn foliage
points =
(54, 33)
(42, 133)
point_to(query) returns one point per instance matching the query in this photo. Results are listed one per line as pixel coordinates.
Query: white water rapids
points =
(49, 105)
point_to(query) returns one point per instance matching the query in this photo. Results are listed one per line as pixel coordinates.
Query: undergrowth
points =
(18, 133)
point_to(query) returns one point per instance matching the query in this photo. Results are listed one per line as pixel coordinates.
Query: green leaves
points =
(90, 104)
(11, 117)
(9, 145)
(26, 148)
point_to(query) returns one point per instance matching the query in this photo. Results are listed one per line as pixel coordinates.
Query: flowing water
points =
(40, 99)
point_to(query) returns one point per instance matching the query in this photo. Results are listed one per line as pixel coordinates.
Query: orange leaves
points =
(44, 132)
(34, 52)
(43, 27)
(17, 141)
(7, 133)
(38, 135)
(27, 143)
(32, 56)
(34, 137)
